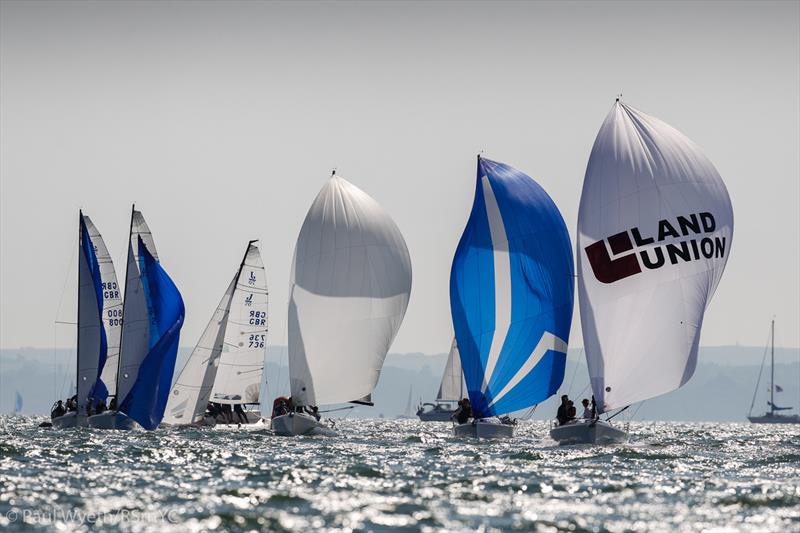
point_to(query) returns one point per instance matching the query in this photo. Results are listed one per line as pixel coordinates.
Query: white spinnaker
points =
(89, 328)
(241, 364)
(136, 320)
(349, 290)
(642, 331)
(112, 306)
(452, 386)
(191, 391)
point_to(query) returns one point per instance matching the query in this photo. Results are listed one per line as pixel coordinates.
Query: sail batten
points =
(654, 232)
(511, 292)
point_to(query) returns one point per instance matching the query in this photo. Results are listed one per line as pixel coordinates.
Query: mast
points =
(124, 298)
(78, 317)
(772, 374)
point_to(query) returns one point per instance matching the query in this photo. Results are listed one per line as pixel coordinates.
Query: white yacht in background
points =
(451, 390)
(654, 233)
(773, 416)
(349, 290)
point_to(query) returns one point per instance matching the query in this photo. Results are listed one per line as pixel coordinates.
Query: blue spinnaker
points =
(147, 399)
(99, 392)
(511, 293)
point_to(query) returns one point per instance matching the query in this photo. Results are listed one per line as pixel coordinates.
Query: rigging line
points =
(618, 413)
(636, 412)
(760, 371)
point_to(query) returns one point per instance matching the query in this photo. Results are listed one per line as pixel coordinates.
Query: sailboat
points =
(773, 416)
(511, 298)
(227, 365)
(655, 226)
(407, 414)
(349, 289)
(153, 314)
(451, 390)
(17, 403)
(99, 325)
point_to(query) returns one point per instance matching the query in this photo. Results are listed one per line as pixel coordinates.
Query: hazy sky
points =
(222, 122)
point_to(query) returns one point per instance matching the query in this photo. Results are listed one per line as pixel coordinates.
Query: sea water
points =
(383, 475)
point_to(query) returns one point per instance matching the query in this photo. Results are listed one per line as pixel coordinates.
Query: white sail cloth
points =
(452, 385)
(654, 233)
(136, 320)
(349, 289)
(112, 306)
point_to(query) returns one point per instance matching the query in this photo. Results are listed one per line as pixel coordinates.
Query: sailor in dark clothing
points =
(572, 412)
(561, 414)
(241, 416)
(101, 406)
(464, 411)
(227, 413)
(113, 405)
(58, 410)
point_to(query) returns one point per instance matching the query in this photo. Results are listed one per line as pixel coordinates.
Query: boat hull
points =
(112, 420)
(69, 420)
(295, 424)
(484, 429)
(436, 416)
(588, 432)
(775, 419)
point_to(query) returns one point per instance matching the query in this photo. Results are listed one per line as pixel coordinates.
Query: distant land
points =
(721, 389)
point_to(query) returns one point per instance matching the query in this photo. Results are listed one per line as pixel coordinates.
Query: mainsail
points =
(654, 233)
(241, 364)
(349, 289)
(111, 315)
(511, 292)
(229, 357)
(452, 385)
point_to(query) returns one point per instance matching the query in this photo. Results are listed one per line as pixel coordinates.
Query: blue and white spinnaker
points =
(511, 293)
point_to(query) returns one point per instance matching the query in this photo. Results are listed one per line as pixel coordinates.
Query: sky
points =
(223, 120)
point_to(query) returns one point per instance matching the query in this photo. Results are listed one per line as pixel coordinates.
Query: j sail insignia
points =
(702, 245)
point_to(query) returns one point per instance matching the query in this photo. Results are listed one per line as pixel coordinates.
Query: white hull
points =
(484, 429)
(112, 420)
(435, 416)
(775, 419)
(588, 432)
(69, 420)
(294, 424)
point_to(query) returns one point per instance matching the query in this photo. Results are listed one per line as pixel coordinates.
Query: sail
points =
(111, 315)
(241, 364)
(147, 398)
(92, 342)
(18, 403)
(654, 232)
(511, 292)
(452, 385)
(136, 322)
(349, 289)
(192, 390)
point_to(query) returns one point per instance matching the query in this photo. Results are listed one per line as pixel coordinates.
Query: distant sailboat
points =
(408, 413)
(451, 390)
(99, 325)
(17, 403)
(227, 365)
(349, 289)
(153, 316)
(654, 233)
(511, 298)
(773, 416)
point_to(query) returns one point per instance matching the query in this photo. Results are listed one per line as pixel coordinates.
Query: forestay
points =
(350, 284)
(452, 385)
(241, 363)
(654, 233)
(511, 292)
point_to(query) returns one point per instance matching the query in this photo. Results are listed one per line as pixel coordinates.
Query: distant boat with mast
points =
(773, 416)
(349, 290)
(451, 390)
(227, 365)
(511, 298)
(655, 227)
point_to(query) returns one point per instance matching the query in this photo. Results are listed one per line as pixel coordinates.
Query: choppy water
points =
(381, 475)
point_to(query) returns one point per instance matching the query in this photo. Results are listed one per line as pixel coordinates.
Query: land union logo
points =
(628, 261)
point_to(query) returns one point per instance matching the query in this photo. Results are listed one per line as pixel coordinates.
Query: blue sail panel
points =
(98, 392)
(511, 292)
(147, 399)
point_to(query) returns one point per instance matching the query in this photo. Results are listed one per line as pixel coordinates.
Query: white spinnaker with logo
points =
(349, 289)
(136, 320)
(641, 332)
(452, 386)
(112, 306)
(241, 363)
(191, 391)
